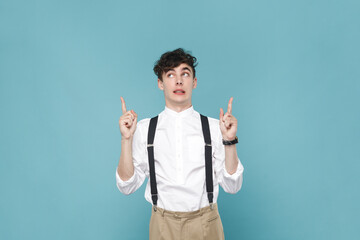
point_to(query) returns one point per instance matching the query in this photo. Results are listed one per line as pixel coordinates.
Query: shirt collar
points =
(182, 114)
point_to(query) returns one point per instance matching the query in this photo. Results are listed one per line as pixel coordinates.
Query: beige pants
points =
(203, 224)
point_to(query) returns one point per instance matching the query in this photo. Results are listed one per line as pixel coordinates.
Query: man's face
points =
(177, 85)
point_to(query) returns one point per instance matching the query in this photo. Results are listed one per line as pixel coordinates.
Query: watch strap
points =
(226, 142)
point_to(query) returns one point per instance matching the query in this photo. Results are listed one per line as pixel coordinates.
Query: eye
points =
(186, 74)
(170, 75)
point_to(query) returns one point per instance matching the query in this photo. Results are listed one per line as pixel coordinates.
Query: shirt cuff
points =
(236, 174)
(122, 183)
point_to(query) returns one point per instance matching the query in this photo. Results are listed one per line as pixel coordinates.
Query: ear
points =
(194, 83)
(160, 84)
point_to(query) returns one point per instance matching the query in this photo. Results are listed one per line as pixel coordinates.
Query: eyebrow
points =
(184, 68)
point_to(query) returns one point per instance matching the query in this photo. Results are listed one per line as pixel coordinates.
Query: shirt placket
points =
(179, 147)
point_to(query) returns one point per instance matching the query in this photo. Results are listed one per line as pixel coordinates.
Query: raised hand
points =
(228, 123)
(127, 121)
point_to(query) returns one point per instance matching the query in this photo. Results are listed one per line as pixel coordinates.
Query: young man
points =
(185, 155)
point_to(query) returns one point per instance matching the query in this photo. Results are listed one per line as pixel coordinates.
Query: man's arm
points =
(230, 181)
(125, 167)
(231, 159)
(228, 127)
(127, 123)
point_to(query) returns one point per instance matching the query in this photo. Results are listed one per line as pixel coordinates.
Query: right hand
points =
(127, 121)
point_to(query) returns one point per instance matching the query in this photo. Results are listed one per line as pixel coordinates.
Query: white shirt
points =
(180, 161)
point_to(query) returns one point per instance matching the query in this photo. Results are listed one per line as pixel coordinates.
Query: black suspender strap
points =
(208, 159)
(150, 148)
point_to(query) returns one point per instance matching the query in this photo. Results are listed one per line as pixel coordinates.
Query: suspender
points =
(208, 160)
(150, 148)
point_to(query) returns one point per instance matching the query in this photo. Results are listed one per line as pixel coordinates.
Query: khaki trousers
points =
(203, 224)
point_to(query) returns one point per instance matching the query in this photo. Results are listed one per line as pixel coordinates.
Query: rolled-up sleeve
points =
(139, 155)
(230, 183)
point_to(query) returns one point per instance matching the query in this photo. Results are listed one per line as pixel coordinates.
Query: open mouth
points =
(179, 92)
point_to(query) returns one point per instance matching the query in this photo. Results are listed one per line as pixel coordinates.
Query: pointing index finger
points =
(230, 105)
(123, 106)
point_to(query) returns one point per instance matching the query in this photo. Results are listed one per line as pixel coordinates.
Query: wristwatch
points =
(225, 142)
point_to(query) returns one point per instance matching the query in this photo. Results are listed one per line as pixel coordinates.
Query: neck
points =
(178, 108)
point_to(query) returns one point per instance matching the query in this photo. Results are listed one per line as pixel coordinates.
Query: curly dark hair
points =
(172, 59)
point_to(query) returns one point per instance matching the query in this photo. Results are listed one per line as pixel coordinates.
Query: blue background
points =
(291, 66)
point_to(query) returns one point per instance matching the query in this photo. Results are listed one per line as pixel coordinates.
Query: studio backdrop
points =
(291, 66)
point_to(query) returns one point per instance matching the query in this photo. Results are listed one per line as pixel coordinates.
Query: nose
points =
(179, 81)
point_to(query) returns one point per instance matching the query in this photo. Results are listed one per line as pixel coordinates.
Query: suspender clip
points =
(211, 206)
(207, 144)
(150, 145)
(154, 198)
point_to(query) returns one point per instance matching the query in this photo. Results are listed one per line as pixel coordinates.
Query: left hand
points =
(228, 123)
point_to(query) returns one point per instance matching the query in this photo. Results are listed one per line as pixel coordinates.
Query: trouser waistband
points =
(191, 214)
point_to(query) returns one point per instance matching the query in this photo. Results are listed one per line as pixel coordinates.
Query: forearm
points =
(126, 167)
(231, 159)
